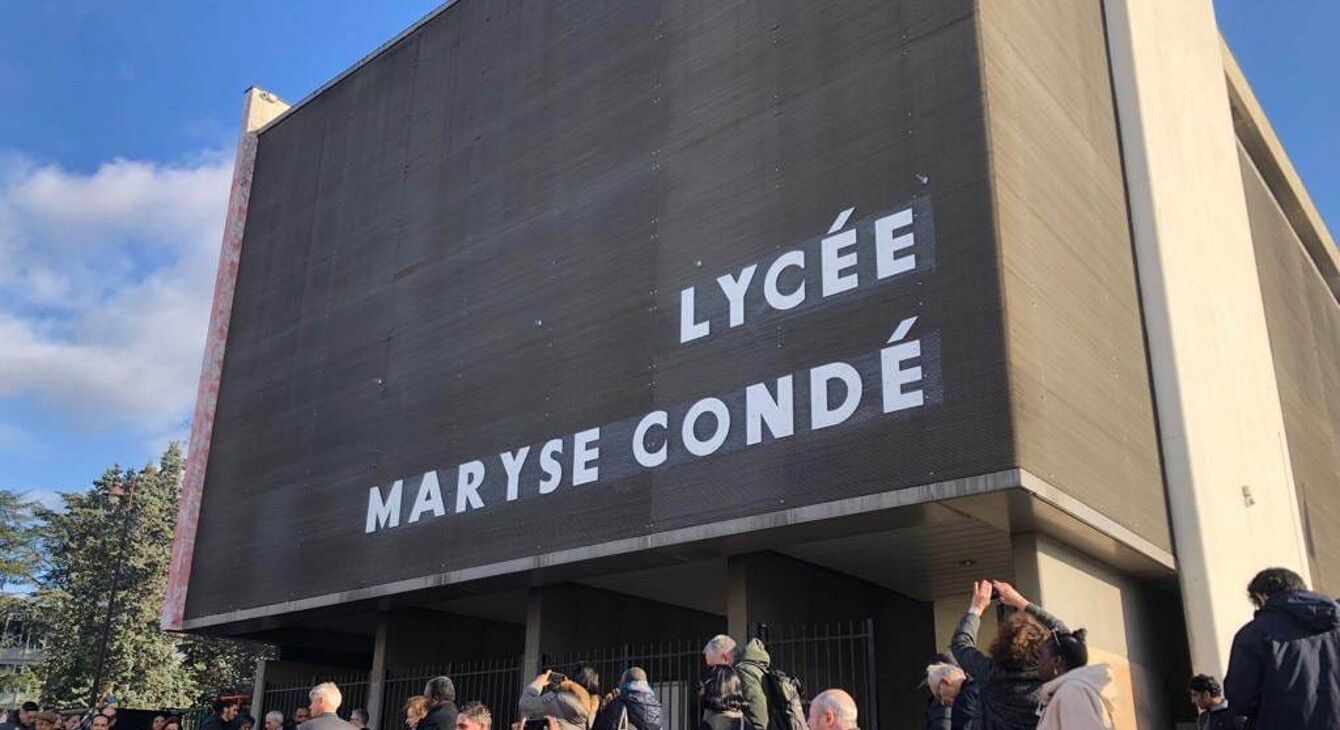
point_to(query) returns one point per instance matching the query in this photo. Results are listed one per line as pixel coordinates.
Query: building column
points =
(258, 693)
(530, 663)
(1230, 487)
(377, 675)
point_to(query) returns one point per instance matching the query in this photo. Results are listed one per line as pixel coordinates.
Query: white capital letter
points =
(553, 470)
(760, 407)
(383, 513)
(512, 463)
(709, 445)
(428, 499)
(833, 262)
(887, 245)
(689, 329)
(646, 458)
(896, 376)
(468, 478)
(582, 456)
(734, 290)
(822, 414)
(776, 299)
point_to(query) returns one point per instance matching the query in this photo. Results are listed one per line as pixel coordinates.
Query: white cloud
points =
(106, 281)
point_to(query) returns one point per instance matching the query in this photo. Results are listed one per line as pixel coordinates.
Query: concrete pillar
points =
(1230, 486)
(1127, 623)
(530, 664)
(377, 675)
(258, 708)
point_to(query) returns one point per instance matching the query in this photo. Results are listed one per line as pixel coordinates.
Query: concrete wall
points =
(1134, 627)
(1080, 396)
(1225, 451)
(1304, 321)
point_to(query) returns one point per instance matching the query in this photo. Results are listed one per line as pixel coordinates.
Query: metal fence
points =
(495, 682)
(291, 694)
(820, 656)
(824, 656)
(672, 668)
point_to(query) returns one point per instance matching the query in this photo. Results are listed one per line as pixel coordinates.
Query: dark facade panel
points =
(1303, 319)
(1079, 381)
(478, 241)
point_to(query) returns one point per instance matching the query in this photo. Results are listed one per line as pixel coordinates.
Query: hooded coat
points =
(635, 698)
(1284, 668)
(754, 662)
(1081, 699)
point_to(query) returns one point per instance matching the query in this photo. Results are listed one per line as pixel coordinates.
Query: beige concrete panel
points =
(1218, 403)
(1121, 621)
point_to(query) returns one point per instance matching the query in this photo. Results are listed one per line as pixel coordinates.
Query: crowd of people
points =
(1283, 669)
(1283, 674)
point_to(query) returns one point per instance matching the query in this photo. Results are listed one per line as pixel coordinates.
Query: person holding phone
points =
(572, 701)
(1008, 672)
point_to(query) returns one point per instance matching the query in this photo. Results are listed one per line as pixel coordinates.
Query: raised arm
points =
(963, 644)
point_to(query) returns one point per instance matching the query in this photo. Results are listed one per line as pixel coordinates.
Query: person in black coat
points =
(222, 717)
(1215, 714)
(1008, 679)
(440, 692)
(633, 698)
(1284, 667)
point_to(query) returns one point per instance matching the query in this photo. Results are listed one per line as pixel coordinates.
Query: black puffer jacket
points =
(1006, 698)
(1284, 669)
(644, 711)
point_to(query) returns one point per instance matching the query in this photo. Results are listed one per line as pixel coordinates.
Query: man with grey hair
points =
(474, 716)
(324, 700)
(720, 649)
(833, 709)
(441, 695)
(274, 720)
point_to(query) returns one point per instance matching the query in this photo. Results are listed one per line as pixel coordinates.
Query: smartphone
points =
(536, 723)
(556, 678)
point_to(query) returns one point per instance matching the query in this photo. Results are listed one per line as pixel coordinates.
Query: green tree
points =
(120, 530)
(18, 539)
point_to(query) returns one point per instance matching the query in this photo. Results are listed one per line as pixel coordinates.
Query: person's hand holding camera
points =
(981, 596)
(1009, 595)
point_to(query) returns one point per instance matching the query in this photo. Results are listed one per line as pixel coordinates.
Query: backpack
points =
(785, 709)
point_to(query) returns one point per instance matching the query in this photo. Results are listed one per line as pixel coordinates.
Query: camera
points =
(556, 679)
(535, 723)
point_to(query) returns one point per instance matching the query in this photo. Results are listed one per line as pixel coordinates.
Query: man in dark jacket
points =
(441, 695)
(1284, 668)
(753, 664)
(1208, 697)
(635, 698)
(224, 712)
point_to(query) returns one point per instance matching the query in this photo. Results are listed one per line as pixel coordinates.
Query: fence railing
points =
(495, 682)
(289, 695)
(672, 670)
(821, 656)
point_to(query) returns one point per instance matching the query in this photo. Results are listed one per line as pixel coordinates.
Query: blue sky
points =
(116, 128)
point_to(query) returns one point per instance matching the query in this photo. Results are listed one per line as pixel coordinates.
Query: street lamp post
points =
(127, 518)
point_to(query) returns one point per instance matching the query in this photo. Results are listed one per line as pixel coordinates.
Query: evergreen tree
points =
(119, 531)
(18, 539)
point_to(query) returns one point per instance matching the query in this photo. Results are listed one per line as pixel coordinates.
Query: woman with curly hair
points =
(1008, 674)
(416, 709)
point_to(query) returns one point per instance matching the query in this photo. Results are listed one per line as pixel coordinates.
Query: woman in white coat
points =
(1077, 696)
